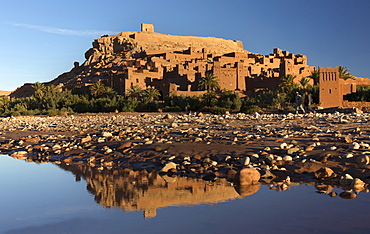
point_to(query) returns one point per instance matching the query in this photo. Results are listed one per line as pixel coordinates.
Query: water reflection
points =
(147, 191)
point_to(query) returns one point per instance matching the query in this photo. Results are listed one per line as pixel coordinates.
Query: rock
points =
(294, 142)
(198, 139)
(125, 145)
(247, 160)
(169, 166)
(347, 195)
(324, 172)
(287, 158)
(357, 183)
(283, 145)
(333, 194)
(107, 134)
(247, 190)
(91, 159)
(19, 154)
(86, 139)
(292, 150)
(354, 146)
(363, 159)
(309, 148)
(230, 174)
(347, 139)
(346, 180)
(169, 179)
(247, 176)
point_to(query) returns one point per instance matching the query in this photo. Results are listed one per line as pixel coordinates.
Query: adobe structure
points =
(175, 64)
(332, 89)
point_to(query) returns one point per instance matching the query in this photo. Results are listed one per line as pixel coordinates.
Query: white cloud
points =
(62, 31)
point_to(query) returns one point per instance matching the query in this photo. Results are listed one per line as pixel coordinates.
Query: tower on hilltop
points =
(147, 27)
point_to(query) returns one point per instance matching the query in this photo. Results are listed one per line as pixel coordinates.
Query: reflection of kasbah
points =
(140, 190)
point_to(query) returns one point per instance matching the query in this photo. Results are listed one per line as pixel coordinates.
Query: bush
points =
(218, 110)
(252, 109)
(171, 109)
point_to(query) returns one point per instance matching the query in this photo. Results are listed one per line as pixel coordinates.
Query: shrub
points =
(171, 109)
(218, 110)
(252, 109)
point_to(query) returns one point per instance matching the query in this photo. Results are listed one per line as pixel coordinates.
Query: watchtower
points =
(147, 27)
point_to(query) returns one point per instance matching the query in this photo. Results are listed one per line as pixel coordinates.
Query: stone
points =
(287, 158)
(247, 190)
(347, 195)
(347, 139)
(354, 146)
(169, 166)
(292, 150)
(107, 134)
(86, 139)
(357, 183)
(363, 159)
(324, 172)
(125, 145)
(19, 154)
(247, 176)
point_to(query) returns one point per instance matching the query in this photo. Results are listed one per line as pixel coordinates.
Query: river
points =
(51, 198)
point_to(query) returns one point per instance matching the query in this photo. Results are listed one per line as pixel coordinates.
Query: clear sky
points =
(40, 39)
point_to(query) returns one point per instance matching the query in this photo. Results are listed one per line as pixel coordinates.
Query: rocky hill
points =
(112, 52)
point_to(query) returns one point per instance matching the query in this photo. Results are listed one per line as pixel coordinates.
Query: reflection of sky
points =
(41, 198)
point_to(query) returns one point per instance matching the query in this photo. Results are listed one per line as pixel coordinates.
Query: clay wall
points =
(330, 94)
(360, 105)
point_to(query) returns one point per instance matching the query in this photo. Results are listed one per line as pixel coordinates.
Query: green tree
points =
(304, 82)
(209, 83)
(97, 89)
(210, 99)
(135, 92)
(39, 93)
(315, 76)
(344, 73)
(151, 94)
(287, 85)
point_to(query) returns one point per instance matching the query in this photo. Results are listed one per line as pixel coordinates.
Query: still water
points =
(50, 198)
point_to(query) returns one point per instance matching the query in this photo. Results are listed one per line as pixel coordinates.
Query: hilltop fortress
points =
(175, 64)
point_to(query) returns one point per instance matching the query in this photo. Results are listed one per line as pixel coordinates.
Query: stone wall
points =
(364, 106)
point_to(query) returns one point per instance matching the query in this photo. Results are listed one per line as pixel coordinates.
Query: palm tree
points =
(315, 76)
(304, 82)
(39, 87)
(135, 92)
(209, 83)
(287, 84)
(40, 92)
(344, 73)
(152, 93)
(97, 89)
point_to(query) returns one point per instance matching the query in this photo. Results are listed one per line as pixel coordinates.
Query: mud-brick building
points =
(173, 69)
(175, 64)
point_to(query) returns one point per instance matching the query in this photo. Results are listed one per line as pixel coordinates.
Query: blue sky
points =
(41, 39)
